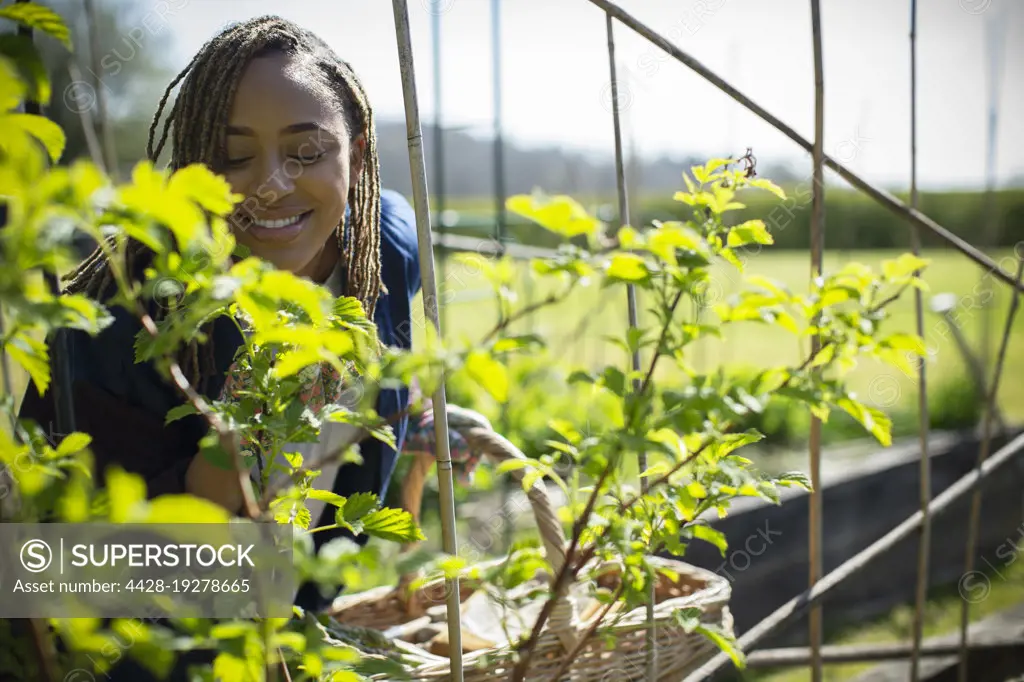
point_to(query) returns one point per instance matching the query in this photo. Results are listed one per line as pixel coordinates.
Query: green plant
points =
(294, 326)
(688, 433)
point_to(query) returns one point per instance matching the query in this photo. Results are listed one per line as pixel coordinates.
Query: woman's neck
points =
(325, 262)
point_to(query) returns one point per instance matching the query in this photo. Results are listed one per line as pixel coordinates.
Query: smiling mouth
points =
(281, 222)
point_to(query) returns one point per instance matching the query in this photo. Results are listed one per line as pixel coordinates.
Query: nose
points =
(277, 182)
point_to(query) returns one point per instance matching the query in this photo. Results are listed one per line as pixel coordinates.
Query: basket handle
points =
(499, 449)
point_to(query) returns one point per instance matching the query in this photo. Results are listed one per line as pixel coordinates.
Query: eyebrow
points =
(287, 130)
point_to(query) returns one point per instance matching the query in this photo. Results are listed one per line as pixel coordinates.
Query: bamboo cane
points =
(421, 203)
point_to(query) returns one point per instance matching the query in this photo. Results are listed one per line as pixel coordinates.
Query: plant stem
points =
(567, 570)
(551, 299)
(567, 660)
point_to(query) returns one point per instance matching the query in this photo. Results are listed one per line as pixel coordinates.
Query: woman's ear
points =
(357, 150)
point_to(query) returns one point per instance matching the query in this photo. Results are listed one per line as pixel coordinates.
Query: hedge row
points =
(853, 220)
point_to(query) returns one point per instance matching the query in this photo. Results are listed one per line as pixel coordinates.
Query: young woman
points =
(271, 107)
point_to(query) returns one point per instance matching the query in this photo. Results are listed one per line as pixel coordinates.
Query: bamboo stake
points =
(651, 660)
(986, 444)
(102, 113)
(873, 653)
(814, 540)
(925, 476)
(881, 196)
(426, 254)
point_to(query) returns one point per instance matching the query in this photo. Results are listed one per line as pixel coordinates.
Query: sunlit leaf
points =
(33, 356)
(357, 506)
(904, 266)
(126, 491)
(41, 128)
(628, 267)
(73, 443)
(560, 214)
(489, 374)
(750, 232)
(396, 525)
(40, 18)
(20, 50)
(709, 534)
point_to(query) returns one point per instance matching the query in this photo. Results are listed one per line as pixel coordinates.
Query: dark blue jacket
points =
(123, 404)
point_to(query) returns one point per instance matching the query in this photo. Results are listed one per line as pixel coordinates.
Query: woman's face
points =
(289, 155)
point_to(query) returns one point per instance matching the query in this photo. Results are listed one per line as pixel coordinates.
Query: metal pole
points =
(881, 196)
(995, 28)
(973, 364)
(986, 443)
(814, 543)
(855, 564)
(499, 143)
(435, 30)
(102, 112)
(498, 159)
(421, 202)
(925, 476)
(620, 176)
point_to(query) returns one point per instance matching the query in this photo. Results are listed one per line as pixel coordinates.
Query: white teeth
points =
(283, 222)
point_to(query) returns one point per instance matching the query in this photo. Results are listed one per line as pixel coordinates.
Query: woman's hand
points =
(207, 480)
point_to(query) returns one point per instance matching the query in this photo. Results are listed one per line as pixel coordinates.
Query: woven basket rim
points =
(713, 598)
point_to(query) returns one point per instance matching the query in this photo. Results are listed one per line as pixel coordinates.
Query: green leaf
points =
(709, 534)
(357, 506)
(795, 479)
(20, 51)
(687, 618)
(185, 509)
(396, 525)
(670, 236)
(762, 183)
(904, 266)
(179, 412)
(725, 643)
(207, 189)
(33, 357)
(750, 232)
(824, 356)
(513, 465)
(125, 491)
(628, 267)
(40, 18)
(489, 374)
(876, 422)
(910, 343)
(328, 497)
(559, 214)
(73, 443)
(41, 128)
(12, 88)
(658, 469)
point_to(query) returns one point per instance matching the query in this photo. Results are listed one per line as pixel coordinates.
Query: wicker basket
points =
(678, 652)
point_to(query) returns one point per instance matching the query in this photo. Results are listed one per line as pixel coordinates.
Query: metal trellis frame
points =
(651, 662)
(820, 585)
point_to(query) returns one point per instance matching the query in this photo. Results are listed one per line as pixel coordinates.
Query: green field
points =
(574, 328)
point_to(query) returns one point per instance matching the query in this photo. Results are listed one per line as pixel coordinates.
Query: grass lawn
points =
(574, 328)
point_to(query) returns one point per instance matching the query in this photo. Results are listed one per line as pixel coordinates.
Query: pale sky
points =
(555, 74)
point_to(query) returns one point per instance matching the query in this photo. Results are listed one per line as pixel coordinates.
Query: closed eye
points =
(235, 163)
(307, 160)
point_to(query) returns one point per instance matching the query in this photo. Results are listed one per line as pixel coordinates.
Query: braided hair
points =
(199, 118)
